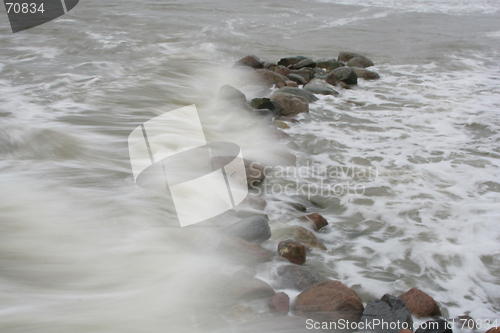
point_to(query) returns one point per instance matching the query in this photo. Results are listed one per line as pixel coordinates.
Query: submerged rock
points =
(279, 303)
(249, 61)
(365, 74)
(389, 309)
(307, 238)
(251, 289)
(298, 92)
(292, 251)
(317, 86)
(298, 277)
(243, 250)
(346, 75)
(231, 94)
(346, 56)
(317, 221)
(252, 229)
(291, 105)
(420, 304)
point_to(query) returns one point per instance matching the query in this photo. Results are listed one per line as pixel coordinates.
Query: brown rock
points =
(291, 105)
(240, 313)
(346, 56)
(297, 78)
(306, 73)
(279, 303)
(298, 277)
(256, 202)
(329, 300)
(356, 62)
(270, 78)
(365, 74)
(251, 289)
(243, 250)
(317, 220)
(282, 70)
(332, 79)
(255, 172)
(420, 304)
(307, 238)
(493, 330)
(268, 65)
(291, 84)
(249, 61)
(292, 251)
(298, 206)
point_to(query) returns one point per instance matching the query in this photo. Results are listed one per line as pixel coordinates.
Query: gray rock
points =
(231, 94)
(287, 61)
(298, 277)
(306, 73)
(346, 75)
(304, 63)
(249, 61)
(252, 229)
(298, 92)
(388, 309)
(297, 78)
(329, 64)
(365, 74)
(346, 56)
(317, 86)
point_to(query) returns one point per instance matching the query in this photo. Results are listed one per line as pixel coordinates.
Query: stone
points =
(405, 331)
(317, 86)
(240, 313)
(493, 330)
(420, 304)
(270, 78)
(280, 70)
(256, 202)
(435, 326)
(231, 94)
(317, 221)
(307, 238)
(251, 289)
(279, 303)
(244, 274)
(331, 78)
(346, 56)
(298, 277)
(262, 103)
(291, 105)
(281, 124)
(297, 78)
(306, 73)
(329, 64)
(243, 250)
(329, 301)
(356, 62)
(346, 75)
(304, 63)
(298, 92)
(255, 173)
(268, 65)
(298, 206)
(389, 309)
(252, 229)
(249, 61)
(287, 61)
(292, 251)
(291, 84)
(365, 74)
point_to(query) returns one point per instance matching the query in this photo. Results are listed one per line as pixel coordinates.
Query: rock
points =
(332, 79)
(306, 73)
(365, 74)
(268, 65)
(389, 309)
(279, 303)
(317, 86)
(298, 277)
(243, 250)
(307, 238)
(291, 84)
(405, 331)
(240, 313)
(304, 63)
(255, 173)
(291, 60)
(270, 78)
(346, 56)
(330, 301)
(329, 64)
(356, 62)
(263, 112)
(288, 119)
(281, 124)
(256, 202)
(280, 70)
(252, 229)
(317, 220)
(346, 75)
(249, 61)
(420, 304)
(292, 251)
(344, 85)
(244, 273)
(279, 134)
(298, 92)
(297, 78)
(435, 326)
(231, 94)
(291, 105)
(251, 289)
(262, 103)
(493, 330)
(298, 206)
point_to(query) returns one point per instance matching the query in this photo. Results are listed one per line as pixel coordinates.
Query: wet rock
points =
(306, 73)
(252, 229)
(346, 75)
(288, 119)
(420, 304)
(291, 84)
(389, 309)
(330, 301)
(298, 277)
(298, 92)
(304, 63)
(279, 303)
(435, 326)
(281, 124)
(317, 86)
(307, 238)
(270, 78)
(263, 103)
(405, 331)
(279, 134)
(243, 250)
(262, 113)
(291, 105)
(346, 56)
(280, 70)
(251, 289)
(292, 251)
(317, 221)
(256, 202)
(356, 62)
(287, 61)
(365, 74)
(493, 330)
(329, 64)
(268, 65)
(332, 79)
(249, 61)
(298, 206)
(231, 94)
(297, 78)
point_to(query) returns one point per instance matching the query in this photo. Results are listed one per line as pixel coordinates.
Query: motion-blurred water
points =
(84, 249)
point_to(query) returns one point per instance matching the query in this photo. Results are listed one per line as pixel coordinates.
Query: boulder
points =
(251, 289)
(331, 78)
(317, 86)
(256, 202)
(329, 64)
(365, 74)
(231, 94)
(389, 309)
(270, 78)
(292, 251)
(291, 60)
(291, 105)
(298, 277)
(279, 303)
(243, 250)
(249, 61)
(291, 84)
(346, 56)
(435, 326)
(263, 103)
(253, 229)
(330, 301)
(304, 63)
(297, 78)
(346, 75)
(420, 304)
(298, 92)
(317, 221)
(306, 73)
(356, 62)
(280, 70)
(307, 238)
